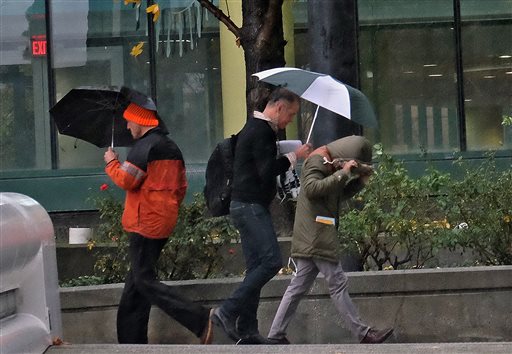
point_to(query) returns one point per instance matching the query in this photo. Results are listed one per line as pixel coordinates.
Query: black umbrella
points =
(95, 114)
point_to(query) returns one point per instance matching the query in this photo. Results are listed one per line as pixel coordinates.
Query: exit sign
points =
(38, 45)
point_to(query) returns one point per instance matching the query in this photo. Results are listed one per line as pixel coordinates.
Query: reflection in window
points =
(91, 45)
(24, 121)
(189, 99)
(487, 59)
(95, 51)
(189, 79)
(407, 56)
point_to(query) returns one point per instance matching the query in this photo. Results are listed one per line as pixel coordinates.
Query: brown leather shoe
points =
(375, 336)
(207, 335)
(282, 340)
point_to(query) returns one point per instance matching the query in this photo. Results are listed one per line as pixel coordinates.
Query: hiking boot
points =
(226, 323)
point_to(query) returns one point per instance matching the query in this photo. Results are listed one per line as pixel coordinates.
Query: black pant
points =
(142, 289)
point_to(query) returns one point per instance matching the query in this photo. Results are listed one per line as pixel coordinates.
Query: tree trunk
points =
(263, 42)
(334, 51)
(262, 39)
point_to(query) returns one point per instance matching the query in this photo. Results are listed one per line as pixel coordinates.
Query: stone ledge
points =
(373, 283)
(428, 305)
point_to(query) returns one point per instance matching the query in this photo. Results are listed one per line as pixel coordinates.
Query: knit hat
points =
(140, 115)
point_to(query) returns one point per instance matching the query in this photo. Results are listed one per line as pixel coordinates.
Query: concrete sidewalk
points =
(396, 348)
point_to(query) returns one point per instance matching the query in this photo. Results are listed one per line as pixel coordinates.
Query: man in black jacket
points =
(256, 167)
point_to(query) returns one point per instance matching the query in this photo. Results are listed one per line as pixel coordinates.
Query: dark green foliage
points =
(84, 280)
(191, 252)
(401, 222)
(482, 200)
(397, 221)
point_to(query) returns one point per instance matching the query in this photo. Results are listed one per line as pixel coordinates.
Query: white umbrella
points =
(324, 91)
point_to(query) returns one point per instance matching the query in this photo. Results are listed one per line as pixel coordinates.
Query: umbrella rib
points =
(103, 104)
(93, 115)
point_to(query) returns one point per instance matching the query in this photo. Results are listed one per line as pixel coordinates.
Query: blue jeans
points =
(262, 259)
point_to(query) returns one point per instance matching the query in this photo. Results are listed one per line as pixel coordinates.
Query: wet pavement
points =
(395, 348)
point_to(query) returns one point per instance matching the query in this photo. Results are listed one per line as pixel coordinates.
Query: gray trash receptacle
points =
(30, 315)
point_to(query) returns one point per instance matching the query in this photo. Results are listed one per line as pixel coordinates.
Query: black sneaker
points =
(283, 340)
(224, 322)
(255, 338)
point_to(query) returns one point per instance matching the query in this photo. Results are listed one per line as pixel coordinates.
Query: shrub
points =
(192, 250)
(402, 222)
(396, 221)
(84, 280)
(481, 204)
(112, 266)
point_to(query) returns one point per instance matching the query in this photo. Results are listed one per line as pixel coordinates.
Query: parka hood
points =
(351, 147)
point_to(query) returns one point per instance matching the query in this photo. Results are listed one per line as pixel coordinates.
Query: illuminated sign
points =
(39, 45)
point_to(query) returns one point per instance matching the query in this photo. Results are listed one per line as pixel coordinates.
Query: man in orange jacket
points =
(154, 179)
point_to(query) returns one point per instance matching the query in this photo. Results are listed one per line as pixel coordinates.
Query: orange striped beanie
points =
(140, 115)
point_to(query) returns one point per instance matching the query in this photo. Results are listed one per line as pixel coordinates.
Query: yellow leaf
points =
(155, 10)
(137, 49)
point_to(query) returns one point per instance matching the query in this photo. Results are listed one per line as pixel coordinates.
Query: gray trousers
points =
(307, 270)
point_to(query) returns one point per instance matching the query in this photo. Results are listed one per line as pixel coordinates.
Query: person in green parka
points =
(331, 175)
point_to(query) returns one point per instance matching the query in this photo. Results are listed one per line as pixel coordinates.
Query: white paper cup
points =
(79, 235)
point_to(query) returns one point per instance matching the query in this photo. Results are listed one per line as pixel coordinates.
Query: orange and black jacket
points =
(154, 179)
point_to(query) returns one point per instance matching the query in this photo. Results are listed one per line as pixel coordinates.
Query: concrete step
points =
(396, 348)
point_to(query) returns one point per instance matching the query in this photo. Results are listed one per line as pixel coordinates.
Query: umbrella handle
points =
(112, 141)
(312, 124)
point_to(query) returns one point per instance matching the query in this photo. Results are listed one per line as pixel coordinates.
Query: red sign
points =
(39, 45)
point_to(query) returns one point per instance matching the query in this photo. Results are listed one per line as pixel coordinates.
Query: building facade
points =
(439, 73)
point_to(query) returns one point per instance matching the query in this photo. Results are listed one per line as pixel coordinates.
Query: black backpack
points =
(219, 177)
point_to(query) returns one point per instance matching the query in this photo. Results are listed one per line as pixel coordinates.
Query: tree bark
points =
(262, 39)
(334, 51)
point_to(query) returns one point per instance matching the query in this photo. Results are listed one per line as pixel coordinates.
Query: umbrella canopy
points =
(95, 114)
(324, 91)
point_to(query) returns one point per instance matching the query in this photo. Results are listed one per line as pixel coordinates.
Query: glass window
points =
(91, 45)
(24, 121)
(301, 60)
(487, 62)
(188, 78)
(407, 68)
